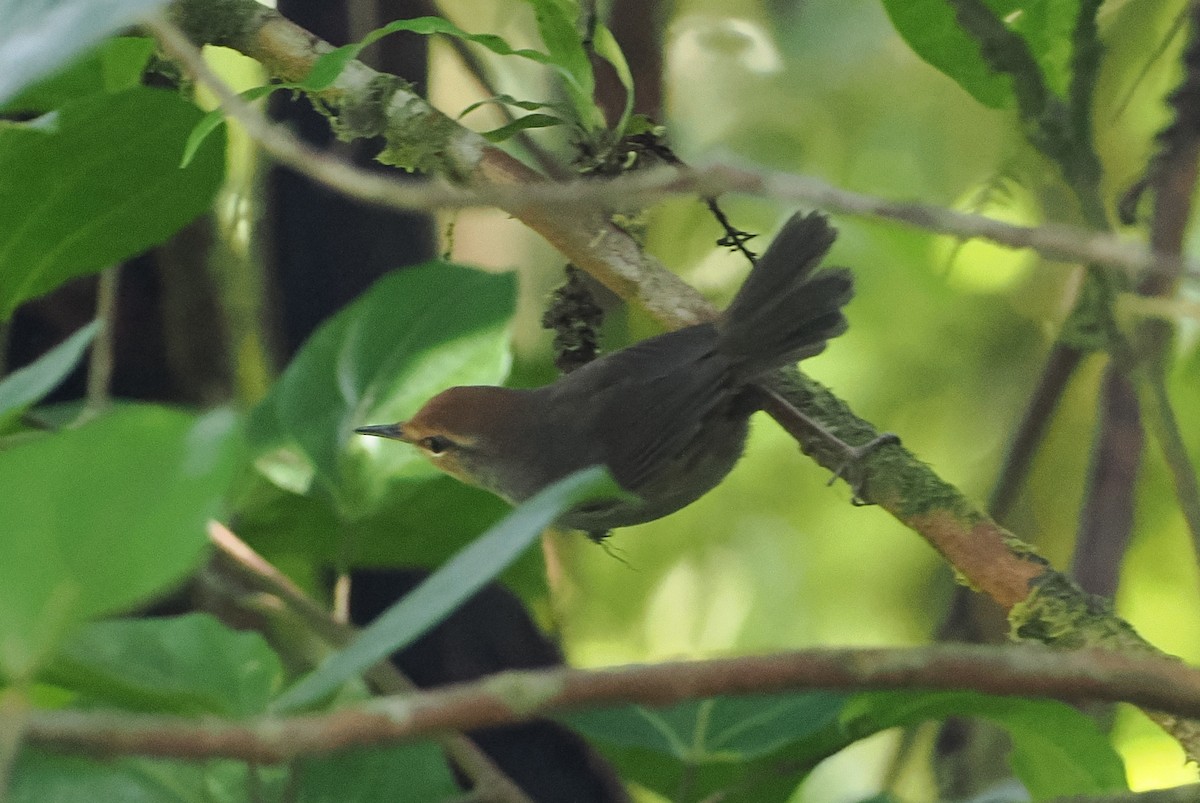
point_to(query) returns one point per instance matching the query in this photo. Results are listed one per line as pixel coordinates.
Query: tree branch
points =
(525, 188)
(512, 697)
(1043, 604)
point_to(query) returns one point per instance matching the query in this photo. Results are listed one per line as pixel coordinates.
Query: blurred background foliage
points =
(945, 344)
(946, 340)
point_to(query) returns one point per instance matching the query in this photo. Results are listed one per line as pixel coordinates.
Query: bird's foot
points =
(852, 469)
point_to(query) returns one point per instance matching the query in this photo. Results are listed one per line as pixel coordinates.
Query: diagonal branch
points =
(1043, 604)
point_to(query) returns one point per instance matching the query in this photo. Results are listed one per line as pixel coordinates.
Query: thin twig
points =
(1060, 366)
(1106, 521)
(1160, 416)
(100, 363)
(1173, 174)
(518, 696)
(478, 71)
(1056, 242)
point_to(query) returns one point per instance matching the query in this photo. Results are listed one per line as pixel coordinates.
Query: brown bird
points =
(667, 416)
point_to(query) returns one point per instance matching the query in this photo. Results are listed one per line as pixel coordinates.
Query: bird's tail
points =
(785, 312)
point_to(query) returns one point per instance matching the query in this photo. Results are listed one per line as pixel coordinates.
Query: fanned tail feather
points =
(785, 310)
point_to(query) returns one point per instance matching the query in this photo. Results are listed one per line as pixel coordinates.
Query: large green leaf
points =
(450, 586)
(738, 745)
(40, 776)
(182, 665)
(931, 30)
(377, 775)
(96, 182)
(102, 517)
(38, 37)
(721, 743)
(1057, 751)
(414, 333)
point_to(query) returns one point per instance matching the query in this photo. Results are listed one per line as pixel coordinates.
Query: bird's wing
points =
(648, 402)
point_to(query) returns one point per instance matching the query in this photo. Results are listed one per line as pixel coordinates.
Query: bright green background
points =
(944, 345)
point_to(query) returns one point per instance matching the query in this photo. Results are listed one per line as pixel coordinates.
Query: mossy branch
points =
(987, 557)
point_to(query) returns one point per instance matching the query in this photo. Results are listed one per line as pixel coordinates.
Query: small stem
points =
(1060, 366)
(100, 363)
(1106, 521)
(1161, 418)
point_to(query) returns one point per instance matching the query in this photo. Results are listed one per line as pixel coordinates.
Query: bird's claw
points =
(854, 457)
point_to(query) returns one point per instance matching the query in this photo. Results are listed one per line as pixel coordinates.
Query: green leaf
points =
(27, 385)
(377, 774)
(329, 66)
(214, 119)
(509, 100)
(557, 22)
(37, 37)
(737, 745)
(96, 183)
(99, 518)
(521, 124)
(715, 729)
(717, 743)
(606, 47)
(40, 776)
(1057, 751)
(185, 665)
(930, 28)
(414, 333)
(116, 65)
(449, 586)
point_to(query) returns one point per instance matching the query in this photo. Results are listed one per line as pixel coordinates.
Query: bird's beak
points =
(393, 431)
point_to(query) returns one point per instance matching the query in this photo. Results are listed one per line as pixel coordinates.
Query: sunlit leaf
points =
(414, 333)
(932, 31)
(99, 518)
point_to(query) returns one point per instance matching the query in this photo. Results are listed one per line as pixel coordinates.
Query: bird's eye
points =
(436, 444)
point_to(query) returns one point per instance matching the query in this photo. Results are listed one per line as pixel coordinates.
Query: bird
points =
(667, 416)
